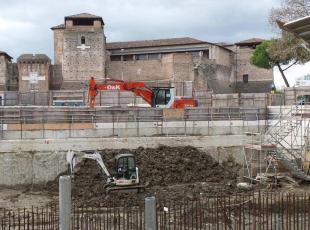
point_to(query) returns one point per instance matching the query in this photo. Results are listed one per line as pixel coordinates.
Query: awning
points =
(300, 28)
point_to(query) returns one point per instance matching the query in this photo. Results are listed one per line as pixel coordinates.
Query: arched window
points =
(83, 40)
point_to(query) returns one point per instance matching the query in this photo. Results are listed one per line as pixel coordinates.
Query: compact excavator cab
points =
(125, 167)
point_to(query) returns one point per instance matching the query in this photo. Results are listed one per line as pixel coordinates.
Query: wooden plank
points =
(260, 147)
(171, 114)
(49, 126)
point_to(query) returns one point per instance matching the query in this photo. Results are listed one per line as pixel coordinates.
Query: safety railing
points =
(126, 98)
(39, 122)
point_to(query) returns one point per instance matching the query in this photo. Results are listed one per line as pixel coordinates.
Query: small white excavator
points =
(126, 176)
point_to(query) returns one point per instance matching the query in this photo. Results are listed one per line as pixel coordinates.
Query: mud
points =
(169, 173)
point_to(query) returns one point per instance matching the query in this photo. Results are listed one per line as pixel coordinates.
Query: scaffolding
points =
(259, 158)
(286, 140)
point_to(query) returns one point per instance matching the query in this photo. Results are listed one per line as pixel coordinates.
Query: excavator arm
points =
(73, 156)
(138, 88)
(161, 97)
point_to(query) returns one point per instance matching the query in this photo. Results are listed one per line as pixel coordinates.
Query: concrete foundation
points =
(26, 162)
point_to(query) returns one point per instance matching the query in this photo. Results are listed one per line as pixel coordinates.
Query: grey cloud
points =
(210, 20)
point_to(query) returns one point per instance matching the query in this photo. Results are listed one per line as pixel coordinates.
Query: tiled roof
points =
(224, 44)
(153, 43)
(27, 57)
(252, 41)
(61, 26)
(5, 54)
(299, 28)
(84, 15)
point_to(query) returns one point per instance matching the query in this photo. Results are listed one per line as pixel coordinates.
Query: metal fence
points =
(48, 122)
(125, 99)
(34, 115)
(252, 211)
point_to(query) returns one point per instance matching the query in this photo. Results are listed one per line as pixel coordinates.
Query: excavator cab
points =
(162, 97)
(125, 167)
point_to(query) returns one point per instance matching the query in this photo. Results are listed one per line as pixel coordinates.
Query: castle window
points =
(195, 54)
(141, 57)
(83, 22)
(154, 56)
(206, 54)
(83, 40)
(115, 58)
(245, 78)
(128, 58)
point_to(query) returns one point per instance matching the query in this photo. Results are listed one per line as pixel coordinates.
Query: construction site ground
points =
(168, 173)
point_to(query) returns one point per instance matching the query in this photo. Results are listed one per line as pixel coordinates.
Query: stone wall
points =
(12, 82)
(3, 72)
(56, 80)
(79, 64)
(58, 46)
(214, 77)
(254, 86)
(221, 56)
(40, 69)
(259, 79)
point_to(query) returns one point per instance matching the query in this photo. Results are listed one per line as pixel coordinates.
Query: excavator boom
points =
(138, 88)
(158, 97)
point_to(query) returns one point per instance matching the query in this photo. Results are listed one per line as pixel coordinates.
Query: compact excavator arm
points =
(126, 175)
(72, 157)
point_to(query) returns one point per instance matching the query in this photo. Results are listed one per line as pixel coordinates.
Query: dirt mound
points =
(168, 172)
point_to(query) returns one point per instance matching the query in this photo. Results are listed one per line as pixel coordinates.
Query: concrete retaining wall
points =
(26, 162)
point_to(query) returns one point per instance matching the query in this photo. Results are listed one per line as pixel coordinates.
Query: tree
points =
(263, 58)
(286, 49)
(289, 10)
(260, 57)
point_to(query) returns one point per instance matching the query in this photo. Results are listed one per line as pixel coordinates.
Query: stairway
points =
(284, 134)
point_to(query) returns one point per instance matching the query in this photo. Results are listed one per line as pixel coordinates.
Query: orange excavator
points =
(160, 97)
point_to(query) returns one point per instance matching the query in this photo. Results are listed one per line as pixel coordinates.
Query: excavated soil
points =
(169, 173)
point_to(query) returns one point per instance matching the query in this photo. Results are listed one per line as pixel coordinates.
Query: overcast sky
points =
(25, 24)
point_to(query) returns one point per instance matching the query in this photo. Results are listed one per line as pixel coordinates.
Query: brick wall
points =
(173, 67)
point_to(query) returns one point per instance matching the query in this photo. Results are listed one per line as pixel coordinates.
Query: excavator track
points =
(125, 189)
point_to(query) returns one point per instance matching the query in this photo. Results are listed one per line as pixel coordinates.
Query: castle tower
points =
(33, 72)
(5, 60)
(79, 50)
